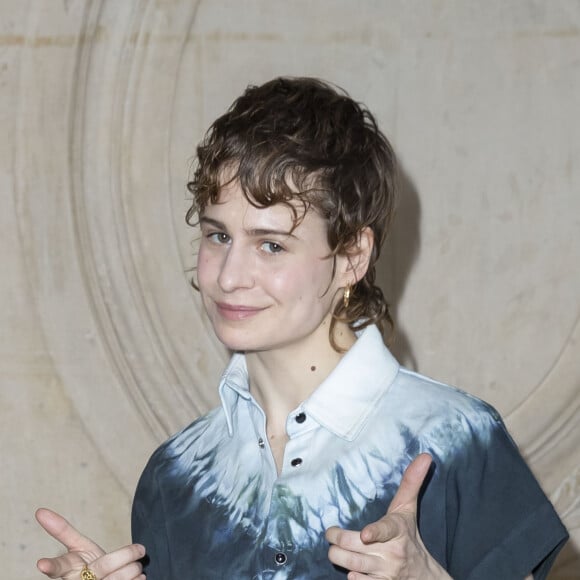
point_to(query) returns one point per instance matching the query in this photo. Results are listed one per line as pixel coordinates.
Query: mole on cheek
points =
(312, 368)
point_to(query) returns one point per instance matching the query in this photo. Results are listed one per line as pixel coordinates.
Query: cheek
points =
(280, 283)
(304, 283)
(204, 270)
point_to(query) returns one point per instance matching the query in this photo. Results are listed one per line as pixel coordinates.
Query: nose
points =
(236, 270)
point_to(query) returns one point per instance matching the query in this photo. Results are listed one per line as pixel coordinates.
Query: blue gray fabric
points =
(211, 505)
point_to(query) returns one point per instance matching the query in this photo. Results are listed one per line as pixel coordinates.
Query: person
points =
(326, 458)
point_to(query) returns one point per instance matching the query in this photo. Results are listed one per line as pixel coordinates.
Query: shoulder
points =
(481, 491)
(200, 432)
(442, 414)
(178, 454)
(431, 393)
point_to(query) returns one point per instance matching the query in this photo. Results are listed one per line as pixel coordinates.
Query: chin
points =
(235, 342)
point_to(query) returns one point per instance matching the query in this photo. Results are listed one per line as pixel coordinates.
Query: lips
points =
(237, 311)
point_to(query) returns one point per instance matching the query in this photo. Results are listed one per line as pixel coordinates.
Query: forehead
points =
(233, 203)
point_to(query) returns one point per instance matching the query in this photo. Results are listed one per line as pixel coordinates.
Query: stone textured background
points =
(103, 347)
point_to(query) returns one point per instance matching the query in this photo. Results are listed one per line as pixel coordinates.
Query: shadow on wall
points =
(396, 262)
(566, 565)
(393, 269)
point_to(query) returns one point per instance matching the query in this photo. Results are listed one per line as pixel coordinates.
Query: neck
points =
(283, 378)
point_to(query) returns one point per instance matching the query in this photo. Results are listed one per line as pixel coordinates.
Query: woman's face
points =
(264, 285)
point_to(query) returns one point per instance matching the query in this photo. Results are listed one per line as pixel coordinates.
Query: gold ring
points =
(88, 574)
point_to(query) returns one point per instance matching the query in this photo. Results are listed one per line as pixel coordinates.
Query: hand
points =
(121, 564)
(390, 548)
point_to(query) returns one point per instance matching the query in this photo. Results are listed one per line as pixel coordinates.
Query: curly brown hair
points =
(303, 139)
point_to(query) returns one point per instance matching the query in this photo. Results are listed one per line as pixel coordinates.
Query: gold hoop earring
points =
(346, 296)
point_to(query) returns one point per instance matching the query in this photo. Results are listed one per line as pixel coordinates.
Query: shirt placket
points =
(279, 553)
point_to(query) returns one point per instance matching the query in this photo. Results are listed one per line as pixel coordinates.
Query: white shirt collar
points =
(344, 400)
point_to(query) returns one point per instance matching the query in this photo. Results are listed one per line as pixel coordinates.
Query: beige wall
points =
(103, 349)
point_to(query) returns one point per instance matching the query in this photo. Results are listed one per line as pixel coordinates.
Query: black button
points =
(300, 418)
(296, 462)
(280, 558)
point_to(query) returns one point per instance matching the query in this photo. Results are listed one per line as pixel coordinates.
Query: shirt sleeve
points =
(500, 523)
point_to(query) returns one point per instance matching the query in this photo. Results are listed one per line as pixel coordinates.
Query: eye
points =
(218, 238)
(272, 247)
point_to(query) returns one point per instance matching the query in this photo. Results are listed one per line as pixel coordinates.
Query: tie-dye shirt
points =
(210, 503)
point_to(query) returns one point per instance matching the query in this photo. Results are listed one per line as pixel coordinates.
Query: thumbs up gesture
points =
(390, 548)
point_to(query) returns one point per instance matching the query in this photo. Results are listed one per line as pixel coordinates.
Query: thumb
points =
(61, 566)
(60, 529)
(404, 503)
(406, 497)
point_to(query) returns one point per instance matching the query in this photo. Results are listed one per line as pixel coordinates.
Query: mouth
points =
(237, 311)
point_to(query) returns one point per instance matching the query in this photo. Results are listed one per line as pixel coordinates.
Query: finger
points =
(356, 576)
(346, 539)
(123, 563)
(129, 572)
(346, 549)
(349, 552)
(413, 478)
(352, 561)
(403, 503)
(383, 530)
(60, 529)
(59, 567)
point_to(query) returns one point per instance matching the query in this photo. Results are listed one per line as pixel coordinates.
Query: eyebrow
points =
(252, 232)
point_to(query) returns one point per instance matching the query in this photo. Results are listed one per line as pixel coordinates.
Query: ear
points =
(357, 257)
